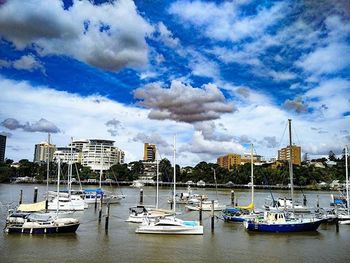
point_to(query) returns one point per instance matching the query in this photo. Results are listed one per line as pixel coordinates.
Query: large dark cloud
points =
(112, 38)
(40, 126)
(183, 102)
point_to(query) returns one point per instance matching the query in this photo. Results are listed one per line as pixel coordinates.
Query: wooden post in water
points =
(212, 216)
(318, 201)
(35, 195)
(141, 196)
(21, 197)
(107, 218)
(304, 200)
(95, 201)
(200, 211)
(337, 224)
(100, 209)
(232, 197)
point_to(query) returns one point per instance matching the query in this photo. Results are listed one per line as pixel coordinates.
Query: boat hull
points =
(43, 230)
(198, 230)
(283, 228)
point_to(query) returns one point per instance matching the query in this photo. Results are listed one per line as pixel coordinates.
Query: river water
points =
(230, 242)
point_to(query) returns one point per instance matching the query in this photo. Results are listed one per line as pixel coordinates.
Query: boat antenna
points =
(291, 163)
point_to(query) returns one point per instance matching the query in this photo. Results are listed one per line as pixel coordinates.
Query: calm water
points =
(229, 243)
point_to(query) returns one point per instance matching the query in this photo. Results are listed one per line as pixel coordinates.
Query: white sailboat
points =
(170, 224)
(139, 213)
(344, 216)
(66, 201)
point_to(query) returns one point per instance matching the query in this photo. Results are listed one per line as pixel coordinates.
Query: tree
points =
(166, 170)
(331, 156)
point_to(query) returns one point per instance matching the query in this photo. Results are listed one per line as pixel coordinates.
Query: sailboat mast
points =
(48, 166)
(291, 163)
(101, 162)
(252, 171)
(157, 190)
(174, 194)
(347, 178)
(70, 167)
(58, 185)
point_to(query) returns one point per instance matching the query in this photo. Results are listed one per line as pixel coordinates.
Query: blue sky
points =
(218, 74)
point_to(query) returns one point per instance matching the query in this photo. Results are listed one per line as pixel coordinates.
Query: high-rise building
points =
(149, 152)
(100, 154)
(67, 154)
(229, 161)
(284, 153)
(44, 151)
(2, 148)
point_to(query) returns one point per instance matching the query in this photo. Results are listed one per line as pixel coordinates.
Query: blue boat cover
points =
(231, 210)
(98, 190)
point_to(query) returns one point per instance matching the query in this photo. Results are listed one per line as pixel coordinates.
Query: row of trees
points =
(303, 175)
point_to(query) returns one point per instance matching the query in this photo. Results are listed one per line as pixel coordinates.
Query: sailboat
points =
(283, 221)
(37, 223)
(94, 195)
(242, 213)
(67, 201)
(206, 205)
(139, 213)
(170, 224)
(344, 216)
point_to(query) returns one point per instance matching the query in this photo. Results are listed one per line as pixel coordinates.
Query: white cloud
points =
(223, 21)
(110, 35)
(27, 62)
(325, 60)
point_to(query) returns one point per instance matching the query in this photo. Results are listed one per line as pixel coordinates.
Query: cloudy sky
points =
(220, 75)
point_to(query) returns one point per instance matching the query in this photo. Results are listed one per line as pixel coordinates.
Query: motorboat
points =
(188, 197)
(287, 204)
(170, 225)
(35, 223)
(137, 184)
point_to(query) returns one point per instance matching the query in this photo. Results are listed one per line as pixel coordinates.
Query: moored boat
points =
(34, 223)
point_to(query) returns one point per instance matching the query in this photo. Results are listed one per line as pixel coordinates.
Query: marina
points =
(229, 242)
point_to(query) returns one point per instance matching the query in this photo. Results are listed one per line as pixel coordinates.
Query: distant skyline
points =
(218, 74)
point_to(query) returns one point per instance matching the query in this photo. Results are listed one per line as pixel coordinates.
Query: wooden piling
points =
(318, 201)
(107, 217)
(141, 196)
(232, 197)
(100, 209)
(95, 201)
(212, 216)
(200, 211)
(21, 197)
(337, 225)
(35, 195)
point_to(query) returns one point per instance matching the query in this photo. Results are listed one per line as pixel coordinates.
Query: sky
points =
(219, 75)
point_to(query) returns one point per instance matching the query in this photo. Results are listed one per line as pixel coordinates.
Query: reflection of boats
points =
(206, 206)
(170, 224)
(283, 221)
(138, 213)
(137, 184)
(33, 223)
